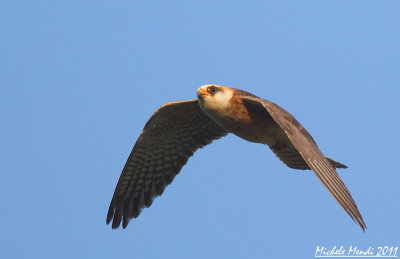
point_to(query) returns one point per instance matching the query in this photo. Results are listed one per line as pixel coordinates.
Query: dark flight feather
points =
(174, 132)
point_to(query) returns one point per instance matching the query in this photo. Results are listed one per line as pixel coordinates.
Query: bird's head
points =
(214, 98)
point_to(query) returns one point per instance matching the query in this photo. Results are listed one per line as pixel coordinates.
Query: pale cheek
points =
(223, 99)
(213, 106)
(208, 107)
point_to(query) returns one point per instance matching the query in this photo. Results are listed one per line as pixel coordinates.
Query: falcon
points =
(177, 129)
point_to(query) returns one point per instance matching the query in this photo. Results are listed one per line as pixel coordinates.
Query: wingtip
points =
(108, 221)
(116, 222)
(362, 224)
(363, 227)
(125, 222)
(357, 219)
(110, 215)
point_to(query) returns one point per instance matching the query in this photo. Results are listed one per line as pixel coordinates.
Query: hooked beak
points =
(201, 93)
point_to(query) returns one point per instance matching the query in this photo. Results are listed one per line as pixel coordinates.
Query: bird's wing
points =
(311, 154)
(172, 134)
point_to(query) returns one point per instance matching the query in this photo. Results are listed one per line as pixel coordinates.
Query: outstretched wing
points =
(311, 154)
(174, 132)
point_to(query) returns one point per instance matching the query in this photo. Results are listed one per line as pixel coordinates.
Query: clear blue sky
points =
(79, 79)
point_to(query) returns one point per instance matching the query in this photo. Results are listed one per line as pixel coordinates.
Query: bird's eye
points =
(211, 89)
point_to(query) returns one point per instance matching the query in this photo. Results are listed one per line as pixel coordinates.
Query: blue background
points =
(80, 79)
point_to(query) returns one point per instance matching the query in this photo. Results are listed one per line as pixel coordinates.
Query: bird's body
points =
(177, 129)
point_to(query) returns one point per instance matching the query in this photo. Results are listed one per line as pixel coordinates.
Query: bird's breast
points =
(255, 128)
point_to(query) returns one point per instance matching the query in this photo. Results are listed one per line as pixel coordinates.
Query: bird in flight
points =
(177, 129)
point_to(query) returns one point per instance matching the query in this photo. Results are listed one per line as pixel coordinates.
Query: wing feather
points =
(311, 154)
(172, 134)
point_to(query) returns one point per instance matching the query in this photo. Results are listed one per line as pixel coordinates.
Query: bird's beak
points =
(201, 93)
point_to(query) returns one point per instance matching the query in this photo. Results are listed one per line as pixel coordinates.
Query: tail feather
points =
(335, 163)
(292, 158)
